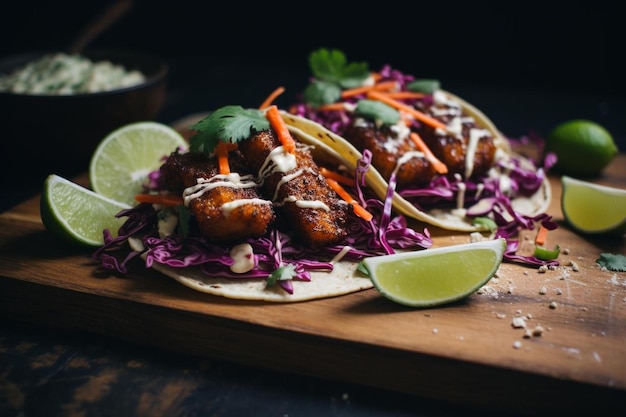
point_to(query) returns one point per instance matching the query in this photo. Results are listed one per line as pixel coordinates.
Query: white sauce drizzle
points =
(341, 254)
(277, 161)
(405, 158)
(460, 197)
(232, 180)
(227, 208)
(474, 137)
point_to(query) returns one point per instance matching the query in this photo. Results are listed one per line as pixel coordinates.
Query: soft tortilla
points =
(342, 280)
(315, 133)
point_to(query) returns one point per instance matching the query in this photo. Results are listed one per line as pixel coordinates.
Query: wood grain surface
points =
(469, 352)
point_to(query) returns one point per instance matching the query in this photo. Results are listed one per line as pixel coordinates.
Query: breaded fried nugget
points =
(387, 148)
(223, 212)
(313, 211)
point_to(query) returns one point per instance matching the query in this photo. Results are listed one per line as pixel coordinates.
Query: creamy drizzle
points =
(460, 197)
(232, 180)
(341, 254)
(226, 208)
(474, 137)
(405, 158)
(277, 161)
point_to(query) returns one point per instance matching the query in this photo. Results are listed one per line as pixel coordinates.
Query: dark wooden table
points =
(48, 371)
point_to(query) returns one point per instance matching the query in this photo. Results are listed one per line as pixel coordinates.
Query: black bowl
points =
(44, 134)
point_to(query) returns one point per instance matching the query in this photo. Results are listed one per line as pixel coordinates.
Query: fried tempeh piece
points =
(388, 147)
(453, 148)
(312, 210)
(216, 221)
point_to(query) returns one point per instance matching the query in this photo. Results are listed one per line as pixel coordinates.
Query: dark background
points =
(569, 47)
(500, 56)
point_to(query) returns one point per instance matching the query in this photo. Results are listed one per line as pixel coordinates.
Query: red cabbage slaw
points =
(481, 200)
(384, 234)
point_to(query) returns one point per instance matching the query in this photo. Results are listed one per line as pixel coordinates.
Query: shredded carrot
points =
(221, 151)
(270, 99)
(162, 199)
(376, 76)
(402, 95)
(439, 166)
(340, 106)
(281, 129)
(422, 117)
(358, 209)
(541, 235)
(382, 86)
(327, 173)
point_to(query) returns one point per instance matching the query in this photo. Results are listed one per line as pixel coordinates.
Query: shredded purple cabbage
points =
(384, 234)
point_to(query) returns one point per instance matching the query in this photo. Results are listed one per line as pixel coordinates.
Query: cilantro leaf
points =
(322, 92)
(612, 262)
(377, 111)
(285, 272)
(331, 65)
(424, 85)
(226, 124)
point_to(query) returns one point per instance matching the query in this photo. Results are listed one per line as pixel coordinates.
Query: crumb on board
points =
(517, 344)
(553, 305)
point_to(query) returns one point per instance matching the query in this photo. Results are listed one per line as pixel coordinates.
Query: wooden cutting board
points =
(469, 352)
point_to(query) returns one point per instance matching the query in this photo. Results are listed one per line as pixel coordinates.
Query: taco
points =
(447, 162)
(257, 210)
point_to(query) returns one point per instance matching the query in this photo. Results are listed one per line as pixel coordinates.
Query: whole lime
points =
(584, 148)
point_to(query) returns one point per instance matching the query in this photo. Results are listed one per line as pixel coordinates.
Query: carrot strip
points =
(422, 117)
(439, 166)
(402, 95)
(340, 106)
(281, 129)
(382, 86)
(162, 199)
(221, 151)
(358, 209)
(327, 173)
(541, 235)
(270, 99)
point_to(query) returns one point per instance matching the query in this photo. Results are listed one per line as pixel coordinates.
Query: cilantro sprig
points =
(332, 72)
(227, 124)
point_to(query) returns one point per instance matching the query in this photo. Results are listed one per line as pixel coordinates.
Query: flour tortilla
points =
(315, 133)
(342, 280)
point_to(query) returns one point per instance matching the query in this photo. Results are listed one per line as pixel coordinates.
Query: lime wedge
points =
(121, 163)
(592, 208)
(76, 214)
(435, 276)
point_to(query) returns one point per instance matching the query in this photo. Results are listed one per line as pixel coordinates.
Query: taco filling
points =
(247, 212)
(448, 164)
